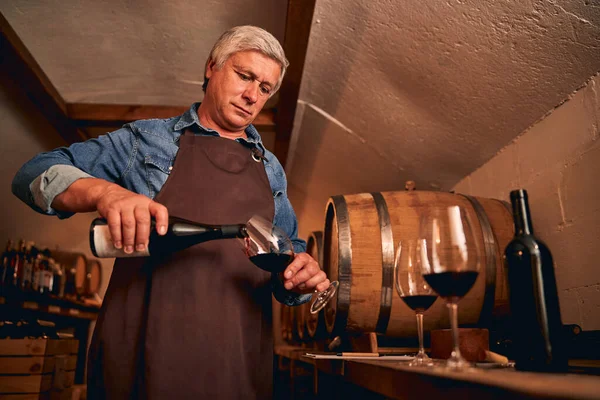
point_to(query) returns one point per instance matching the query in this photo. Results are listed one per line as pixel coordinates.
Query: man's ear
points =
(210, 66)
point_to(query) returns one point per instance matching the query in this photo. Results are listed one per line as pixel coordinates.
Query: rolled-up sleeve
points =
(51, 183)
(48, 174)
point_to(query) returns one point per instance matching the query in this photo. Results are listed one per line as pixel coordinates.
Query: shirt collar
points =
(190, 118)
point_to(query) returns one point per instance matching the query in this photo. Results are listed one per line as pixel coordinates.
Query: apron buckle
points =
(257, 155)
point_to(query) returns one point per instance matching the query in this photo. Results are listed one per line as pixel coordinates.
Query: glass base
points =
(323, 297)
(421, 360)
(458, 363)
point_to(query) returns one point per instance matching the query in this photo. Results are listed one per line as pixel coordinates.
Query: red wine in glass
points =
(453, 265)
(420, 303)
(452, 285)
(412, 287)
(272, 262)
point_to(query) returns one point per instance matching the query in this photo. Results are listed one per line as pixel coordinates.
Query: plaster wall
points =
(557, 161)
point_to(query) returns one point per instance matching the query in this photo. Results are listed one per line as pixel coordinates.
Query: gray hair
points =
(245, 38)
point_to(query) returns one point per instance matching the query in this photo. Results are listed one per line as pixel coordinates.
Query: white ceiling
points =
(392, 90)
(132, 51)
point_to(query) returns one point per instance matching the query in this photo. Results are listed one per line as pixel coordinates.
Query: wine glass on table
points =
(453, 263)
(270, 249)
(412, 287)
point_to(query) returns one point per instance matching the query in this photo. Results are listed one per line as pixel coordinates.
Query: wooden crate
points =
(37, 368)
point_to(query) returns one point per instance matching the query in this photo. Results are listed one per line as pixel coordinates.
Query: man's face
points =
(238, 91)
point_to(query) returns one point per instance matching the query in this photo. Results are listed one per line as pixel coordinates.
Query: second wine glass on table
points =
(412, 287)
(454, 262)
(270, 249)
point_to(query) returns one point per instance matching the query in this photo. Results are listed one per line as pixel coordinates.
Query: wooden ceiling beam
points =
(17, 63)
(297, 32)
(114, 115)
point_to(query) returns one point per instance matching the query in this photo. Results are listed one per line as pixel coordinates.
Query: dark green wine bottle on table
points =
(537, 325)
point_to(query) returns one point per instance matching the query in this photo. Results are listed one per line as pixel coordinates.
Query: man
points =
(196, 324)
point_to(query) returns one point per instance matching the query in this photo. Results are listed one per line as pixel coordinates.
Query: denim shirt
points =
(140, 157)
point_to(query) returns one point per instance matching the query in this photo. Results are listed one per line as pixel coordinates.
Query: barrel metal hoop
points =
(489, 241)
(319, 243)
(344, 264)
(387, 263)
(507, 205)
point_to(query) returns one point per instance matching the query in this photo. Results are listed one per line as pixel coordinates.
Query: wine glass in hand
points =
(454, 262)
(269, 248)
(412, 287)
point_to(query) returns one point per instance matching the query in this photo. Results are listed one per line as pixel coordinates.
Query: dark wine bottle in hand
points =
(180, 235)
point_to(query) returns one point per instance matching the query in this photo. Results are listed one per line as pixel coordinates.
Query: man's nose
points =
(251, 92)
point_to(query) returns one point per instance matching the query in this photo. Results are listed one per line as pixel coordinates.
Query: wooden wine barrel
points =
(360, 237)
(287, 323)
(75, 265)
(93, 278)
(315, 323)
(301, 314)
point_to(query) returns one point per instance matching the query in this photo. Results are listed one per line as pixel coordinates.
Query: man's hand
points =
(303, 275)
(128, 214)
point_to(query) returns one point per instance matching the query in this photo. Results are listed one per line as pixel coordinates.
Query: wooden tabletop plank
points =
(399, 381)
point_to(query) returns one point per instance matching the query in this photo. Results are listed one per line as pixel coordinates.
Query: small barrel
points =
(315, 323)
(75, 265)
(288, 328)
(301, 314)
(360, 237)
(306, 323)
(284, 317)
(93, 278)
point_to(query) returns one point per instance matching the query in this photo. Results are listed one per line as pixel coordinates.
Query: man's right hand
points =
(128, 214)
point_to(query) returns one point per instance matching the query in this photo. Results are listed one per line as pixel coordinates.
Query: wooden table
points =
(396, 380)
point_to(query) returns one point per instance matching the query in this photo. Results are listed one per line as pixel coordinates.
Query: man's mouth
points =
(242, 109)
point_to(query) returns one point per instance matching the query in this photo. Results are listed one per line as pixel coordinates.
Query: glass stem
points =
(453, 308)
(420, 332)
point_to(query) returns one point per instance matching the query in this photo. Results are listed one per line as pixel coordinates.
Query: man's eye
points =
(244, 76)
(265, 90)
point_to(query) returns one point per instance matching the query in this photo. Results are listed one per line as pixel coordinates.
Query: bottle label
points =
(104, 246)
(48, 280)
(37, 279)
(27, 273)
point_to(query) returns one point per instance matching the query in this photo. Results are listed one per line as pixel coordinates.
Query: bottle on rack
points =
(27, 271)
(180, 234)
(45, 276)
(36, 273)
(57, 279)
(537, 326)
(5, 266)
(17, 266)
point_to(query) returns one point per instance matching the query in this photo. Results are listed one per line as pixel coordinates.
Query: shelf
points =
(48, 304)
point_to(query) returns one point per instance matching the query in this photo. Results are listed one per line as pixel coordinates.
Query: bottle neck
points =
(521, 214)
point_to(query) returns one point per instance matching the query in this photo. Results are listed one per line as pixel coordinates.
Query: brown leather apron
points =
(196, 324)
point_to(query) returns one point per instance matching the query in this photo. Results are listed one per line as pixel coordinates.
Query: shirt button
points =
(171, 168)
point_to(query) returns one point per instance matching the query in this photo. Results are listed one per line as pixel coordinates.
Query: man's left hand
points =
(304, 275)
